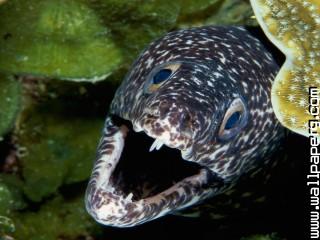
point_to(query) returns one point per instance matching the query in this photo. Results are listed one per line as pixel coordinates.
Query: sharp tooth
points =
(136, 128)
(157, 144)
(160, 144)
(129, 197)
(153, 146)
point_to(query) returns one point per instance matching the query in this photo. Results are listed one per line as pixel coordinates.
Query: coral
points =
(294, 27)
(10, 97)
(10, 194)
(57, 219)
(135, 23)
(11, 199)
(228, 12)
(59, 145)
(89, 40)
(233, 12)
(63, 39)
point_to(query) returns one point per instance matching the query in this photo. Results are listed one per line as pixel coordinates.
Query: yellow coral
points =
(294, 27)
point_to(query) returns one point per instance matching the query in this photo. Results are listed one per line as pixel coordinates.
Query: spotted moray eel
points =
(203, 93)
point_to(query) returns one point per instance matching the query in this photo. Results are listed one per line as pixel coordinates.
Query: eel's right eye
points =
(159, 76)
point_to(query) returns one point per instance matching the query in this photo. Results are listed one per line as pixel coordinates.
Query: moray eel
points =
(202, 96)
(294, 27)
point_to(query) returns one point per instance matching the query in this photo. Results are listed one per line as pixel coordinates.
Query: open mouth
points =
(137, 178)
(147, 167)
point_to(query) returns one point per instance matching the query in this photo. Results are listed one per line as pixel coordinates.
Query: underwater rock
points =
(62, 39)
(10, 101)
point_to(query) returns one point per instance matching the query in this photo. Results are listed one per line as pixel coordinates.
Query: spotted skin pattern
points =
(213, 67)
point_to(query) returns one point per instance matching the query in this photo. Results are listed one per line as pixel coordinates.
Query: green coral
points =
(194, 7)
(56, 219)
(10, 97)
(59, 147)
(227, 12)
(10, 194)
(11, 200)
(89, 40)
(135, 23)
(233, 12)
(6, 226)
(63, 39)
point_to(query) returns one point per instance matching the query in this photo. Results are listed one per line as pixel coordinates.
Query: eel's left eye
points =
(234, 120)
(160, 75)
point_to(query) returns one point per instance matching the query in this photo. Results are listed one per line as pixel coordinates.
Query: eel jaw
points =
(113, 207)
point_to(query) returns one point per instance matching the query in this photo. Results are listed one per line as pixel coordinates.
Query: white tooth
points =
(136, 128)
(153, 146)
(160, 144)
(157, 144)
(129, 197)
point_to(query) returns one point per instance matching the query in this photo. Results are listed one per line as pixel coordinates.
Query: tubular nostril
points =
(185, 122)
(164, 109)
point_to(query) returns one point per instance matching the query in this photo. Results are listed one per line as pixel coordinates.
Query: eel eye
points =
(234, 120)
(160, 75)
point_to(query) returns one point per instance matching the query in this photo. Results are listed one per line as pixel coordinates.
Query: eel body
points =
(191, 118)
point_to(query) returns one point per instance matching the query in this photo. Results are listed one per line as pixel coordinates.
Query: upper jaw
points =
(164, 132)
(112, 208)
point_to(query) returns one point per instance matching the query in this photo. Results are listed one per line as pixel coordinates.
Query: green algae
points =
(62, 39)
(10, 97)
(56, 219)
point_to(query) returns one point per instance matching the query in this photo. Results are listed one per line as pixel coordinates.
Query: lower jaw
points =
(111, 202)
